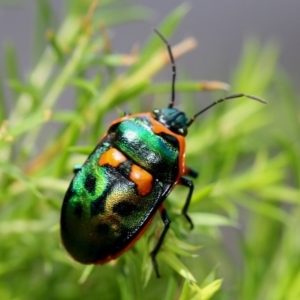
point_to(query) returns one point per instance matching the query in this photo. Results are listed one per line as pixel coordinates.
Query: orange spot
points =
(111, 157)
(142, 179)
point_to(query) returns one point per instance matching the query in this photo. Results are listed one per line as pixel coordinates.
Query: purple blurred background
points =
(220, 26)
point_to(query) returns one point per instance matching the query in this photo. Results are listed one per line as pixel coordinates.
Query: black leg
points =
(167, 221)
(188, 183)
(76, 168)
(190, 172)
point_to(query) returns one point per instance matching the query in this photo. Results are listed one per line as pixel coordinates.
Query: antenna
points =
(171, 104)
(192, 119)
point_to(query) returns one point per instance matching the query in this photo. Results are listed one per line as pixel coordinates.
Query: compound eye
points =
(183, 131)
(155, 113)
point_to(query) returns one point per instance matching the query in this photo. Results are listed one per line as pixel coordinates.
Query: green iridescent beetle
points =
(114, 196)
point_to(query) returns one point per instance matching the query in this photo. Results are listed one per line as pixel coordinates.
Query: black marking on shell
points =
(102, 228)
(90, 183)
(98, 205)
(78, 210)
(124, 208)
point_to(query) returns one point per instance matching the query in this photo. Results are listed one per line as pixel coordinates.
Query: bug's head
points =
(173, 119)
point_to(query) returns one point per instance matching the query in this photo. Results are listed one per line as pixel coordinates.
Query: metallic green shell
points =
(102, 212)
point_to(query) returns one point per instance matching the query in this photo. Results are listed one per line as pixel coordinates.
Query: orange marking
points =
(112, 157)
(142, 179)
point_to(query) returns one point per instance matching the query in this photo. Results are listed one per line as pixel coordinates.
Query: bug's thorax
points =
(167, 122)
(173, 119)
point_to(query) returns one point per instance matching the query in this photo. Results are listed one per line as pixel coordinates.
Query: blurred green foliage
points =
(247, 154)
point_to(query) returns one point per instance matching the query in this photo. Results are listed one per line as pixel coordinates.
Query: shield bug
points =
(115, 194)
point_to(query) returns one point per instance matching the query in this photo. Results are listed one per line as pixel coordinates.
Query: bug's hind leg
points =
(167, 221)
(188, 183)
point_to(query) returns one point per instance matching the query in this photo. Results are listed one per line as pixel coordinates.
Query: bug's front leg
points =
(167, 221)
(190, 172)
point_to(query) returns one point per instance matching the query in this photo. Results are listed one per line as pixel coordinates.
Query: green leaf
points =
(31, 122)
(86, 273)
(11, 65)
(45, 16)
(209, 219)
(129, 14)
(185, 292)
(23, 88)
(202, 194)
(15, 172)
(81, 149)
(211, 289)
(171, 289)
(188, 86)
(3, 104)
(266, 209)
(84, 85)
(191, 291)
(172, 260)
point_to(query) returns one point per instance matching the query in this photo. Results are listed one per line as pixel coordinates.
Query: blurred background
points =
(220, 27)
(60, 85)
